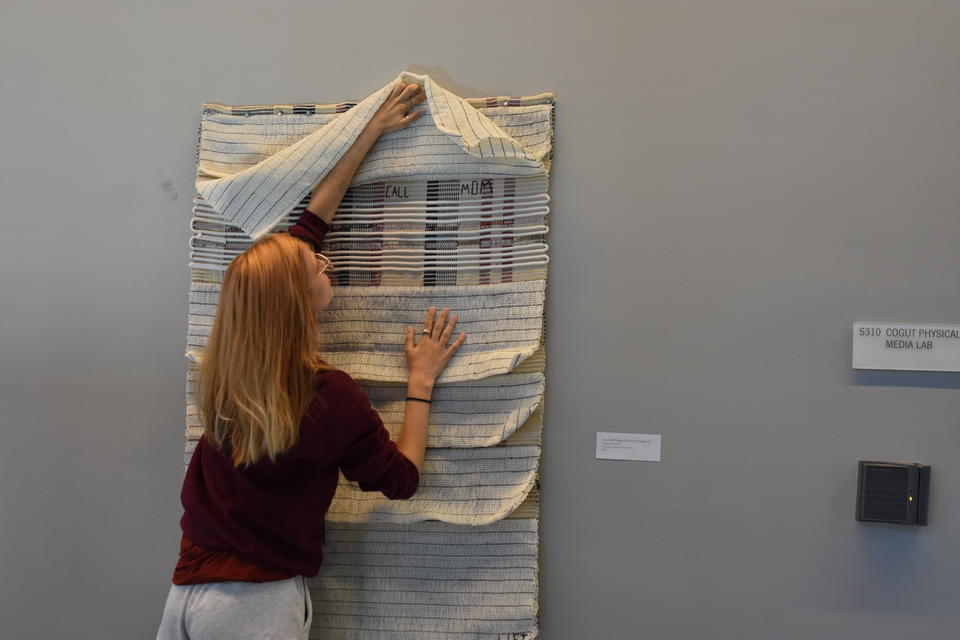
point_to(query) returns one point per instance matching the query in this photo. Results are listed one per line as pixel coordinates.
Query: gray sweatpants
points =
(279, 610)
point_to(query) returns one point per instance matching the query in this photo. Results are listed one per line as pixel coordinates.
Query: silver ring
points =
(426, 332)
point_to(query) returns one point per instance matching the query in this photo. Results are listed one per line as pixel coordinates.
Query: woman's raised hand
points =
(427, 357)
(396, 112)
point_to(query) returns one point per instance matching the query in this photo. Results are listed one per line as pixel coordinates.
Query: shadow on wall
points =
(888, 572)
(920, 379)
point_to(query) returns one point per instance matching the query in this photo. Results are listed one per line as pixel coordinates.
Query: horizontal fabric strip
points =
(204, 273)
(318, 107)
(232, 143)
(505, 318)
(458, 486)
(493, 214)
(427, 580)
(430, 200)
(422, 236)
(527, 434)
(505, 322)
(255, 198)
(454, 261)
(386, 250)
(472, 414)
(402, 275)
(533, 364)
(523, 369)
(406, 193)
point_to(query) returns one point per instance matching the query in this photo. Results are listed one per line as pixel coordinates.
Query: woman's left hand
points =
(396, 112)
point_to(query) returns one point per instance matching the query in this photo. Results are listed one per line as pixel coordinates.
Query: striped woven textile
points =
(451, 211)
(362, 331)
(479, 413)
(362, 328)
(470, 486)
(458, 486)
(447, 239)
(464, 415)
(451, 139)
(428, 581)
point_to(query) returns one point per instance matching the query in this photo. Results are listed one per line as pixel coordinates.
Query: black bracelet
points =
(419, 400)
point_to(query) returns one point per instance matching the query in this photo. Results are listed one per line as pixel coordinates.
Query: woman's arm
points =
(425, 361)
(427, 358)
(394, 114)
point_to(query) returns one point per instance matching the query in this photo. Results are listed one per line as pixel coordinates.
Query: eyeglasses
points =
(324, 262)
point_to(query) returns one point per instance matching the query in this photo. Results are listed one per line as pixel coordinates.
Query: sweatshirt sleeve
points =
(311, 228)
(371, 458)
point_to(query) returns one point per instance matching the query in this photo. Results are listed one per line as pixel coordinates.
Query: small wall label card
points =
(906, 346)
(628, 446)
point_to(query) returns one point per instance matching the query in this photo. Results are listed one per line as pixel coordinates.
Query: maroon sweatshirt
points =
(265, 522)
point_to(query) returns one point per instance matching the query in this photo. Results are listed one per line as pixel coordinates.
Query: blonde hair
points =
(257, 373)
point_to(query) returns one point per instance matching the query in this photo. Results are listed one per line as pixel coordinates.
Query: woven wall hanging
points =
(451, 210)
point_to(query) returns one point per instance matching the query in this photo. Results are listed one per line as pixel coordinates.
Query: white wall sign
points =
(628, 446)
(906, 346)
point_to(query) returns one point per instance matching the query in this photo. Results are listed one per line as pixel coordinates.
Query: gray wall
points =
(735, 183)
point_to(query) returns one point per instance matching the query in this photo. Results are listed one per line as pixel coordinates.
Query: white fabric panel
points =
(503, 323)
(236, 138)
(452, 138)
(362, 331)
(421, 232)
(466, 414)
(458, 486)
(463, 415)
(427, 581)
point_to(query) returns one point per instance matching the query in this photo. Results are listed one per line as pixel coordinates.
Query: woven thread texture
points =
(450, 211)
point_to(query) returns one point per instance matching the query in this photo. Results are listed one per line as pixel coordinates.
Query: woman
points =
(279, 425)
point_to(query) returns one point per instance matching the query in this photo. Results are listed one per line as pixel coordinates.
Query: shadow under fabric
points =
(452, 211)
